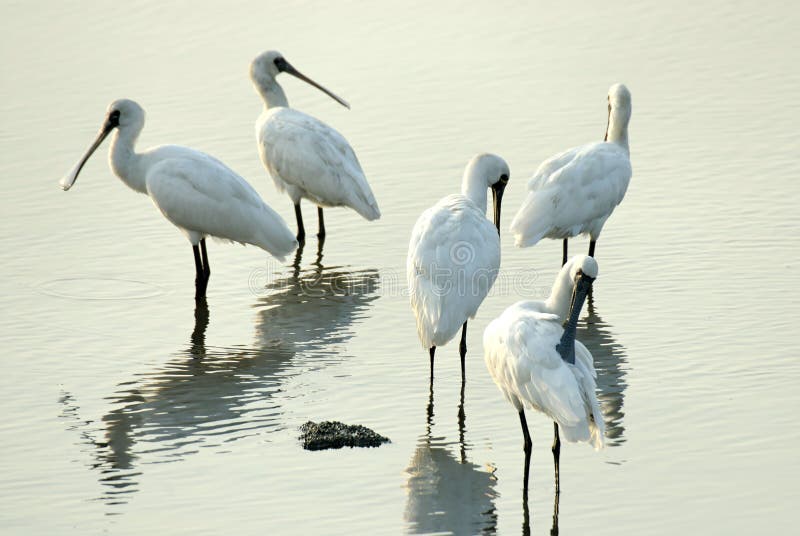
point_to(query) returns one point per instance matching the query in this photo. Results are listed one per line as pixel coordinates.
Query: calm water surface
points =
(129, 409)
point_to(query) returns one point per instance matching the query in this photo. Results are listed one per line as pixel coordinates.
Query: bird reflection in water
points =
(611, 364)
(446, 494)
(208, 396)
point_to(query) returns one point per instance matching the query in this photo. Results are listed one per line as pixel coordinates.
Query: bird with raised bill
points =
(197, 193)
(535, 361)
(454, 256)
(305, 157)
(576, 191)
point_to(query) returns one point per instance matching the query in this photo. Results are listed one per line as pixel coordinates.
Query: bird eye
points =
(280, 63)
(504, 178)
(113, 117)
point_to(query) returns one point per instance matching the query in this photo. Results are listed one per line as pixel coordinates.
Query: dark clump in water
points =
(335, 435)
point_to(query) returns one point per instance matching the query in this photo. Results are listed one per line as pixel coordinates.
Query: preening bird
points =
(533, 357)
(197, 193)
(305, 157)
(454, 256)
(575, 192)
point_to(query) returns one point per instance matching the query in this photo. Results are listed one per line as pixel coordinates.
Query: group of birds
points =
(454, 252)
(454, 259)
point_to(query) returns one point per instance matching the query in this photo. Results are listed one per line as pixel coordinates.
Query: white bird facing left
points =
(197, 193)
(576, 191)
(454, 256)
(535, 361)
(305, 157)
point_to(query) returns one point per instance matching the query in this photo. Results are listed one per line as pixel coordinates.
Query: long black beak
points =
(288, 68)
(566, 347)
(497, 199)
(608, 123)
(69, 179)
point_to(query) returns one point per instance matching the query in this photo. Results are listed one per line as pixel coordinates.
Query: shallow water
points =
(129, 409)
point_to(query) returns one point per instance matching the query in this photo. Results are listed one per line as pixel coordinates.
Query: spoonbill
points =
(197, 193)
(533, 357)
(454, 256)
(575, 192)
(305, 157)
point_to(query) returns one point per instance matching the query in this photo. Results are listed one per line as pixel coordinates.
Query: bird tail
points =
(533, 220)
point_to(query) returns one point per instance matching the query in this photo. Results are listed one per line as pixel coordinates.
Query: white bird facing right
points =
(576, 191)
(535, 361)
(305, 157)
(197, 193)
(454, 256)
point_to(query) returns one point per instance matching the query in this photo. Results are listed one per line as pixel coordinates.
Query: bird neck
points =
(473, 187)
(561, 295)
(618, 129)
(125, 161)
(272, 93)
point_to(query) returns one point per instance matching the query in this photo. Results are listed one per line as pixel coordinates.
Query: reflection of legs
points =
(321, 233)
(556, 453)
(301, 230)
(527, 447)
(432, 351)
(463, 350)
(564, 254)
(591, 247)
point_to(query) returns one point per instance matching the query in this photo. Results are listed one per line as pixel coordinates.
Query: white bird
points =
(575, 192)
(533, 357)
(454, 255)
(305, 157)
(197, 193)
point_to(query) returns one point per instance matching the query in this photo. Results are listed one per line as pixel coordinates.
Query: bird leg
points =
(564, 254)
(554, 528)
(591, 247)
(432, 351)
(527, 447)
(200, 277)
(301, 230)
(463, 350)
(556, 454)
(321, 233)
(206, 265)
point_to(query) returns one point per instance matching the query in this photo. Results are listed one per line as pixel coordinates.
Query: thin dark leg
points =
(462, 421)
(301, 230)
(206, 265)
(462, 349)
(556, 454)
(564, 254)
(321, 233)
(527, 447)
(431, 352)
(200, 277)
(591, 247)
(554, 528)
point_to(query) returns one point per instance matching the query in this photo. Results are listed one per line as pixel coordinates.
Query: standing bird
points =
(454, 256)
(575, 192)
(533, 357)
(197, 193)
(305, 157)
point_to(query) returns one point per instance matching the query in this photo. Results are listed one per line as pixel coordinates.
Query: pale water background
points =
(113, 420)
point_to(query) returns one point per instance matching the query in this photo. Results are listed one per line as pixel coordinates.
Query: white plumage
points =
(454, 254)
(576, 191)
(305, 157)
(520, 350)
(196, 192)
